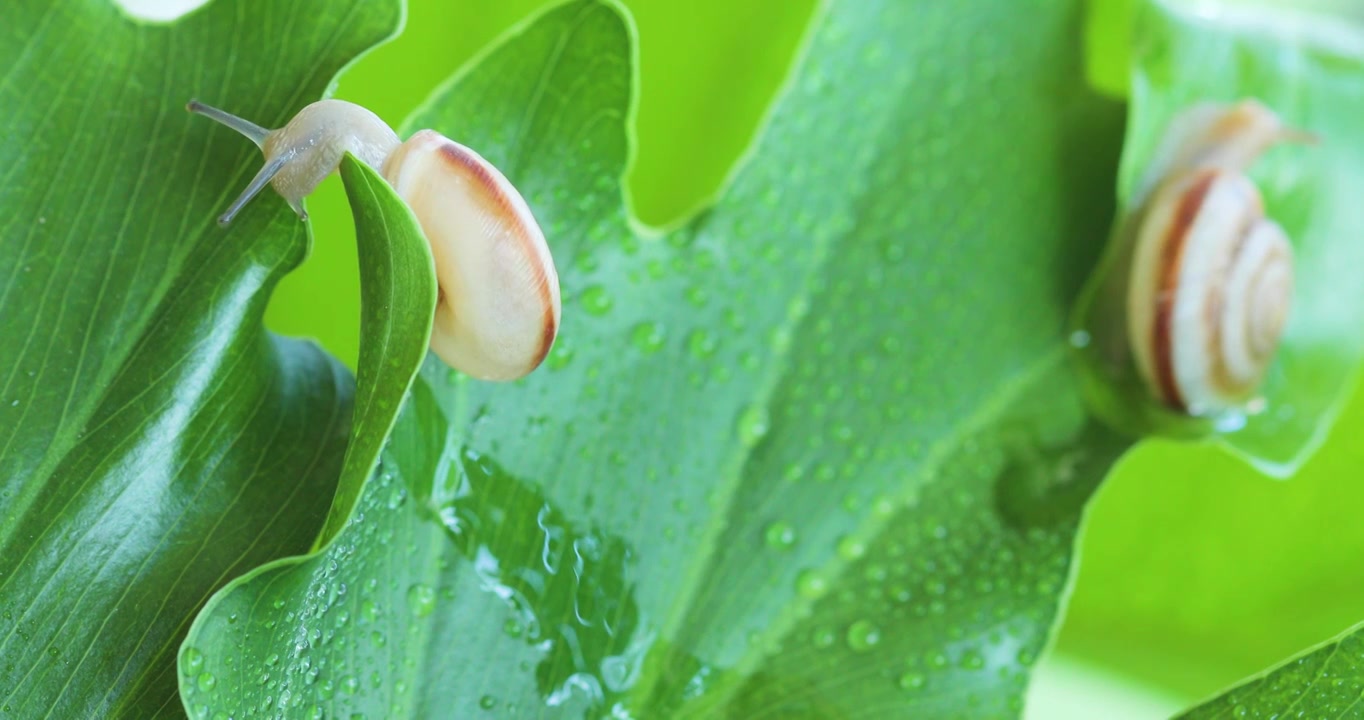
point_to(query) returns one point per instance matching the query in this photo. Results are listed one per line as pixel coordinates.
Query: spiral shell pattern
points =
(1209, 293)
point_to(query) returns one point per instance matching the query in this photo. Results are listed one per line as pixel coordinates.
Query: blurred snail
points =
(1211, 278)
(498, 311)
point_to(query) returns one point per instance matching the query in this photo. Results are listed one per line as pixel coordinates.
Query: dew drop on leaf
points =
(559, 356)
(192, 660)
(912, 681)
(753, 425)
(863, 635)
(421, 600)
(851, 502)
(697, 295)
(596, 301)
(850, 548)
(780, 536)
(648, 337)
(206, 682)
(701, 344)
(811, 584)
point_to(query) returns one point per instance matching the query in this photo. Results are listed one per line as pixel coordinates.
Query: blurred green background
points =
(1195, 571)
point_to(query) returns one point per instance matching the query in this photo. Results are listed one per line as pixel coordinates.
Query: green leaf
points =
(1308, 70)
(817, 452)
(154, 440)
(1325, 682)
(398, 282)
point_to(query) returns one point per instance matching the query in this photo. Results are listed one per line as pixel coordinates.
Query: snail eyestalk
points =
(252, 131)
(253, 188)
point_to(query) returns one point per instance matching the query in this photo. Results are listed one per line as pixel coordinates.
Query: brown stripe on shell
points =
(1220, 375)
(1167, 287)
(549, 325)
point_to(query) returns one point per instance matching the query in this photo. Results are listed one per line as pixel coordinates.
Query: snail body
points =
(1210, 282)
(499, 307)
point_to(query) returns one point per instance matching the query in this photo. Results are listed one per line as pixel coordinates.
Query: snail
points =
(498, 308)
(1210, 283)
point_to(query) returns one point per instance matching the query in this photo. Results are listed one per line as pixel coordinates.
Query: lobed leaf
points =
(817, 452)
(155, 441)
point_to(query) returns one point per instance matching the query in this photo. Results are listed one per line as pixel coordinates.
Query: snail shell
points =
(491, 244)
(499, 306)
(1211, 280)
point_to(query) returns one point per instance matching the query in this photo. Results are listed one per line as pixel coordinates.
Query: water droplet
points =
(823, 637)
(972, 660)
(912, 681)
(811, 584)
(596, 301)
(421, 600)
(780, 536)
(487, 702)
(850, 548)
(192, 660)
(350, 684)
(851, 502)
(753, 425)
(272, 660)
(697, 295)
(648, 337)
(701, 344)
(206, 682)
(512, 628)
(863, 635)
(559, 356)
